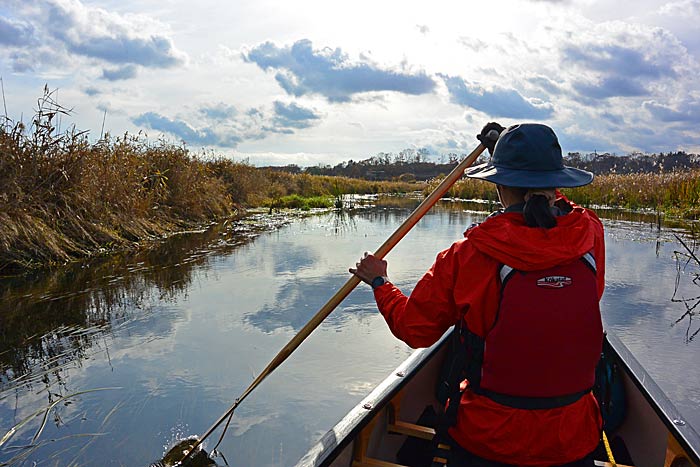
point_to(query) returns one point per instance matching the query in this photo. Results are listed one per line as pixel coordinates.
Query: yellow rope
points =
(608, 450)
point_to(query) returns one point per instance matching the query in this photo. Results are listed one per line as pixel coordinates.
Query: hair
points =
(537, 211)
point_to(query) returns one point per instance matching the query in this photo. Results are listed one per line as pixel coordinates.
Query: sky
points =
(321, 82)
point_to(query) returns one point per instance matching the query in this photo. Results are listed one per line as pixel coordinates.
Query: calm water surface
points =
(110, 362)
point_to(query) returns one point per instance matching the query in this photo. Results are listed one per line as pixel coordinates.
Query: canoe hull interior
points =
(372, 433)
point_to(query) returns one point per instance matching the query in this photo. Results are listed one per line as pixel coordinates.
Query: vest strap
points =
(531, 403)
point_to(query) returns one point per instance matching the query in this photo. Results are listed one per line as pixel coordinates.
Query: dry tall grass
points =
(677, 193)
(62, 197)
(466, 188)
(674, 192)
(252, 186)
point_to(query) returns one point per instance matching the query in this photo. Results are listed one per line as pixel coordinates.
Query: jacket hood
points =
(507, 238)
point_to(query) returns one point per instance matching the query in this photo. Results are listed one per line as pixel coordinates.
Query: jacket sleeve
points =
(421, 319)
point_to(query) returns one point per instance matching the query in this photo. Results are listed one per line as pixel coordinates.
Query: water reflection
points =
(175, 332)
(54, 322)
(55, 316)
(295, 303)
(343, 221)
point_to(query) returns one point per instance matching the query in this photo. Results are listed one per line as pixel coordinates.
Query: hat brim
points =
(568, 177)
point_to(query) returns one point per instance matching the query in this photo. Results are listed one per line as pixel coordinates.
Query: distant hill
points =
(410, 165)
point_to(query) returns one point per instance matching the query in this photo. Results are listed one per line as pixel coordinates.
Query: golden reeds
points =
(62, 197)
(676, 193)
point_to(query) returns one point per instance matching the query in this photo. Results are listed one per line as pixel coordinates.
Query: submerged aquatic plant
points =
(26, 450)
(683, 260)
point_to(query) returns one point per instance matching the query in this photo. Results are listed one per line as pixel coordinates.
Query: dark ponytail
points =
(538, 213)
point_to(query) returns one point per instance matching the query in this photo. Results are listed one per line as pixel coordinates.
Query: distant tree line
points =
(407, 166)
(414, 165)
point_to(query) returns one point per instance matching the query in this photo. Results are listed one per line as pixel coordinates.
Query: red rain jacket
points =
(465, 277)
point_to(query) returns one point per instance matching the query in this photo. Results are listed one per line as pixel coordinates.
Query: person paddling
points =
(522, 289)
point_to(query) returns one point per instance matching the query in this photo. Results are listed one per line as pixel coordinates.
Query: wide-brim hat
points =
(529, 156)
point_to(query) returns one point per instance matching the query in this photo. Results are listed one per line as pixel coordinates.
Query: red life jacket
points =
(546, 340)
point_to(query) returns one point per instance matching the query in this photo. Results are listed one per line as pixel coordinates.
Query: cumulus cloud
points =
(77, 30)
(497, 102)
(578, 139)
(649, 72)
(610, 86)
(293, 116)
(224, 126)
(616, 120)
(15, 33)
(546, 84)
(219, 112)
(686, 112)
(91, 91)
(681, 8)
(183, 130)
(620, 59)
(473, 44)
(609, 69)
(121, 73)
(301, 70)
(28, 60)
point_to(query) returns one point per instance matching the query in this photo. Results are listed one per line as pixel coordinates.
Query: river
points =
(110, 361)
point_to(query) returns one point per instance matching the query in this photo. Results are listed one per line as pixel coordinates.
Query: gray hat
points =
(529, 156)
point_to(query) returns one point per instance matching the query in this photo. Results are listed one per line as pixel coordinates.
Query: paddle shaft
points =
(345, 290)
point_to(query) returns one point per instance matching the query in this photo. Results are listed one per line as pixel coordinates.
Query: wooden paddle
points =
(340, 295)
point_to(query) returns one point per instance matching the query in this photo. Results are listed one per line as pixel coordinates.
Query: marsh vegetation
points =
(63, 197)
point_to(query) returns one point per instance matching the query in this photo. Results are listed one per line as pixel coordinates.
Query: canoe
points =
(389, 422)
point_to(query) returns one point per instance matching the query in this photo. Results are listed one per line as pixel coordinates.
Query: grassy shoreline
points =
(63, 198)
(675, 194)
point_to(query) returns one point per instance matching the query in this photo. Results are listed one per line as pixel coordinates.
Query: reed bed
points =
(675, 193)
(251, 186)
(63, 198)
(465, 188)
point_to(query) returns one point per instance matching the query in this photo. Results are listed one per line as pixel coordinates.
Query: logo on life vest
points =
(554, 282)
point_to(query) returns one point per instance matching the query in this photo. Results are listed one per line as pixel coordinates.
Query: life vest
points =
(546, 339)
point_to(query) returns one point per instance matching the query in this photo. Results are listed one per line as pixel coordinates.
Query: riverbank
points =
(63, 198)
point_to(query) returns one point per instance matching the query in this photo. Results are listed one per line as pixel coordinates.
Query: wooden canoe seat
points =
(394, 425)
(411, 429)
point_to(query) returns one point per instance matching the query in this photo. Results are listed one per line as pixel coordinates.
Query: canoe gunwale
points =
(334, 441)
(685, 434)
